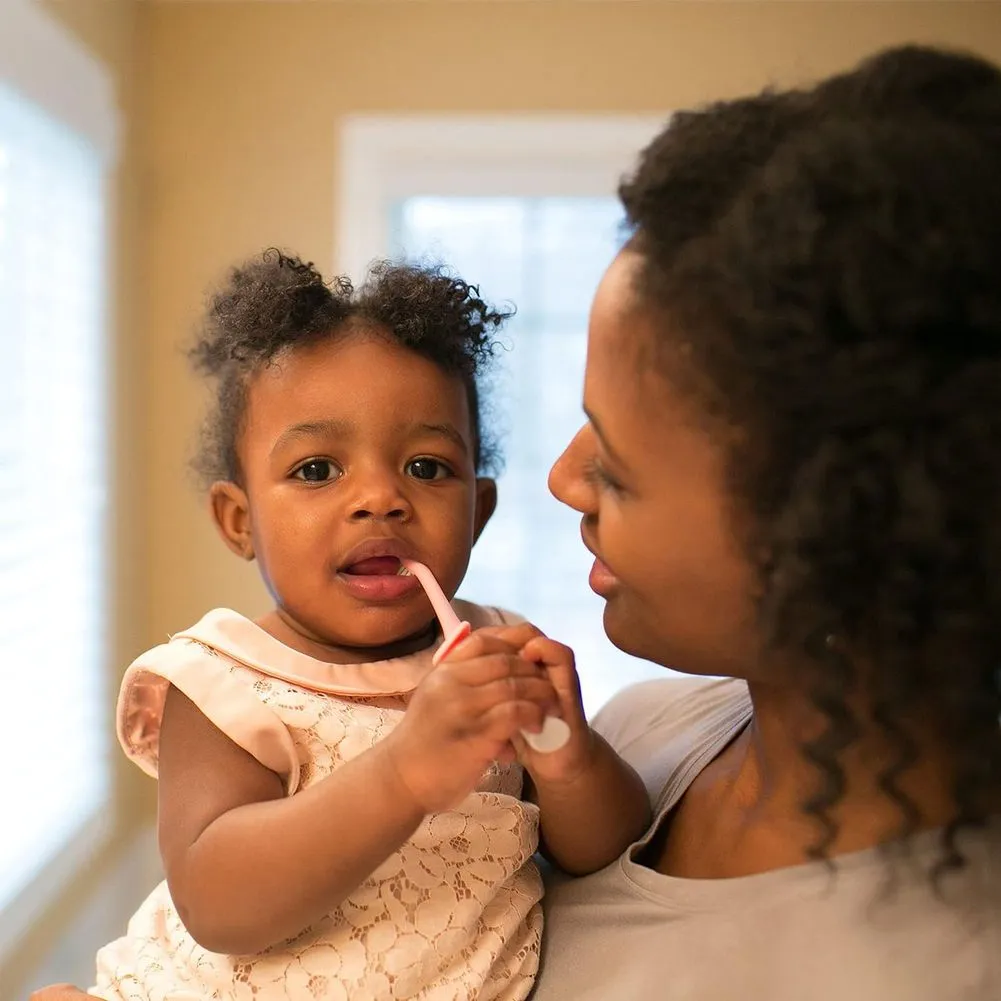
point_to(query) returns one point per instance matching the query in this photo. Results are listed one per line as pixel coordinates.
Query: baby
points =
(337, 817)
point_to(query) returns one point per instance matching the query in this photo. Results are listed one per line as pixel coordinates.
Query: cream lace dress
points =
(453, 914)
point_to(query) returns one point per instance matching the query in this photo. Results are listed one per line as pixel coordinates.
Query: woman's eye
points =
(317, 471)
(428, 469)
(596, 476)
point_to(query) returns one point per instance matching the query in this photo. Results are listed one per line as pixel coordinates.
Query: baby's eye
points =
(317, 471)
(428, 469)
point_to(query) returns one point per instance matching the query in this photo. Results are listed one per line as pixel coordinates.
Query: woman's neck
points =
(782, 788)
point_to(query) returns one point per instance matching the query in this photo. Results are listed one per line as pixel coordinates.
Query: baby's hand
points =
(464, 716)
(557, 661)
(60, 992)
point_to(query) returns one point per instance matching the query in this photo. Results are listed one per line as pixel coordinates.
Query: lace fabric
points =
(453, 914)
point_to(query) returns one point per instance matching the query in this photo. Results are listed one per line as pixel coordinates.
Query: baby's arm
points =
(592, 805)
(248, 866)
(589, 817)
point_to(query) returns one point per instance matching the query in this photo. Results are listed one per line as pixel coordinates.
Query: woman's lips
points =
(601, 579)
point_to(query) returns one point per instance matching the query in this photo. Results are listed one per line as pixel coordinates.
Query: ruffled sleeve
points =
(216, 686)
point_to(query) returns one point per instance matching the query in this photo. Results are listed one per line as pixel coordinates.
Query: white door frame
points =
(385, 158)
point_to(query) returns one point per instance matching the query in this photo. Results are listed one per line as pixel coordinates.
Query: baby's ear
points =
(486, 504)
(231, 514)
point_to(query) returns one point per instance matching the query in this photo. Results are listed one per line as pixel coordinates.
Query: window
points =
(55, 727)
(526, 210)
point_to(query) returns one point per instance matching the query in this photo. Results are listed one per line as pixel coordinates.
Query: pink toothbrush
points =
(555, 732)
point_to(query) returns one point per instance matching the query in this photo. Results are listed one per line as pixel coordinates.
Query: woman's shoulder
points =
(669, 728)
(665, 708)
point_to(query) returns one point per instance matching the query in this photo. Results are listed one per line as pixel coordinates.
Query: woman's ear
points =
(231, 514)
(486, 504)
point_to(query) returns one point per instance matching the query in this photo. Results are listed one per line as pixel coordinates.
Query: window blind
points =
(54, 722)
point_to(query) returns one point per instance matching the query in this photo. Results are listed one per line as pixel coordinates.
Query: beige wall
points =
(243, 104)
(230, 111)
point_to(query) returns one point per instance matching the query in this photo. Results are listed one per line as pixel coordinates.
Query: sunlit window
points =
(524, 206)
(54, 738)
(546, 255)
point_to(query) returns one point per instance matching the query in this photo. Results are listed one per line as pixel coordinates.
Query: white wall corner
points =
(383, 158)
(41, 60)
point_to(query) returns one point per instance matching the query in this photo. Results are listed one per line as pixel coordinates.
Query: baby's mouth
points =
(374, 566)
(378, 579)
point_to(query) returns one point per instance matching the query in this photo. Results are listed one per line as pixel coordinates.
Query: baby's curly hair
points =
(277, 302)
(827, 266)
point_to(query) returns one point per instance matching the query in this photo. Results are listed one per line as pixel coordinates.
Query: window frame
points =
(387, 158)
(41, 61)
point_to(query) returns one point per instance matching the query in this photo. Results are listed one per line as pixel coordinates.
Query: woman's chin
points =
(635, 637)
(626, 635)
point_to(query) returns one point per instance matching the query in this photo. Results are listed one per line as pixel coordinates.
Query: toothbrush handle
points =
(554, 733)
(451, 641)
(447, 618)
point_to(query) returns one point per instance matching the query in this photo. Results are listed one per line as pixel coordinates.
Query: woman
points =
(790, 476)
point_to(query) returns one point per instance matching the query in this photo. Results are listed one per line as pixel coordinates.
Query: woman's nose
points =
(567, 482)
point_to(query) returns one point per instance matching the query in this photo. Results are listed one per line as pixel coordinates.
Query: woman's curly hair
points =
(277, 302)
(827, 264)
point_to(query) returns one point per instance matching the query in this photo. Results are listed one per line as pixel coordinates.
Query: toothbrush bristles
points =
(403, 571)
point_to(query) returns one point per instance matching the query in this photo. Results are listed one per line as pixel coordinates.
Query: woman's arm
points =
(589, 817)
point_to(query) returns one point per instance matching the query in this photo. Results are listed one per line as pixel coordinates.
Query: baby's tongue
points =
(374, 566)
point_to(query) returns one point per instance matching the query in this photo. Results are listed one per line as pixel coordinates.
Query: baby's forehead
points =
(362, 380)
(360, 363)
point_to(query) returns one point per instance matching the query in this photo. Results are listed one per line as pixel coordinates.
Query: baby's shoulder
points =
(223, 689)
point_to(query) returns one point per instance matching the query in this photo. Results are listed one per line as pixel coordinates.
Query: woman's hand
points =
(465, 715)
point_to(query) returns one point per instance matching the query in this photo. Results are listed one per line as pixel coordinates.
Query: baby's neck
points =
(286, 630)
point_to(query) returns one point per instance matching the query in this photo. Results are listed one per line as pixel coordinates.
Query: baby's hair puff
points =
(276, 302)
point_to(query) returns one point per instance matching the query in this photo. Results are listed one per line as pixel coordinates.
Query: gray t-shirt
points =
(628, 933)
